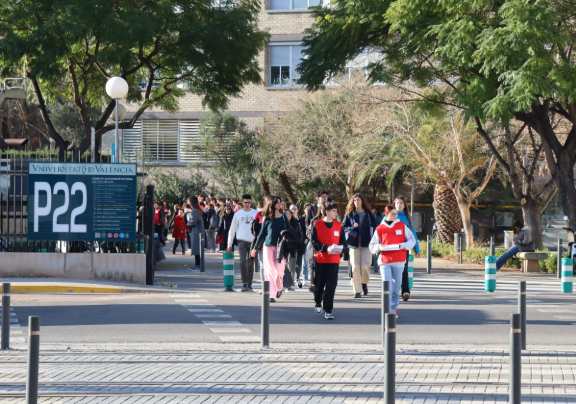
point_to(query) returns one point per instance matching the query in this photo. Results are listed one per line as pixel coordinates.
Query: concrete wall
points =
(130, 268)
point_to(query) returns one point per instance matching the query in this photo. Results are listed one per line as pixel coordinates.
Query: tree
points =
(71, 48)
(225, 143)
(64, 117)
(170, 186)
(495, 60)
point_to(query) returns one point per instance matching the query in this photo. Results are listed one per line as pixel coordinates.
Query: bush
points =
(474, 255)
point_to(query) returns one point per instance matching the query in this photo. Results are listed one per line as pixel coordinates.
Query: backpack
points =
(157, 216)
(214, 221)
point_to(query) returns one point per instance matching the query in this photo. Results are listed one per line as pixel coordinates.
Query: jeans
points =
(260, 257)
(211, 239)
(246, 262)
(325, 282)
(305, 262)
(506, 256)
(394, 276)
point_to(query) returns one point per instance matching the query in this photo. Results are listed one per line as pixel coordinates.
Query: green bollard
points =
(229, 278)
(567, 275)
(410, 271)
(490, 273)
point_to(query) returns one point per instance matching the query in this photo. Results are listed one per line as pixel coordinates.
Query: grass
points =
(477, 254)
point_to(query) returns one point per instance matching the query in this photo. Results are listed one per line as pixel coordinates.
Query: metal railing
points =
(13, 83)
(14, 206)
(549, 212)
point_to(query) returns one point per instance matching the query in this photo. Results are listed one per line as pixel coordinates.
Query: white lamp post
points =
(117, 88)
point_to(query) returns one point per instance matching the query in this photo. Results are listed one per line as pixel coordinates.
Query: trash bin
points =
(508, 242)
(463, 235)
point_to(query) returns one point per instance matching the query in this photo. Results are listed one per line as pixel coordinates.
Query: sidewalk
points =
(53, 285)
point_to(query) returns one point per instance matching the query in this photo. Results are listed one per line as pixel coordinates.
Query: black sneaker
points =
(311, 289)
(250, 287)
(318, 309)
(328, 316)
(365, 289)
(272, 300)
(299, 283)
(357, 295)
(245, 289)
(278, 294)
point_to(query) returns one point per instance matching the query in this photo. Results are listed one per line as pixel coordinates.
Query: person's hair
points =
(330, 206)
(200, 196)
(321, 192)
(246, 196)
(388, 208)
(195, 205)
(260, 205)
(177, 207)
(157, 203)
(188, 206)
(269, 209)
(210, 206)
(289, 213)
(235, 201)
(223, 210)
(377, 210)
(165, 203)
(307, 205)
(517, 223)
(321, 211)
(350, 207)
(179, 211)
(405, 209)
(296, 206)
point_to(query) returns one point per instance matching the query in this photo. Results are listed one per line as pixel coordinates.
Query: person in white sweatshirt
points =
(241, 229)
(391, 240)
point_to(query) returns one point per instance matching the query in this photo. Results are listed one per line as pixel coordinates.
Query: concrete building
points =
(163, 136)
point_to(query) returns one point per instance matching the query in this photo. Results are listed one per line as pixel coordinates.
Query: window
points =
(356, 68)
(161, 140)
(294, 4)
(283, 62)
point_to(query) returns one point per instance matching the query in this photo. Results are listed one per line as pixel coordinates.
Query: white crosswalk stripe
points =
(16, 334)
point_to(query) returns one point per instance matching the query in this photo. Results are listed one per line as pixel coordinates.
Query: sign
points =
(82, 202)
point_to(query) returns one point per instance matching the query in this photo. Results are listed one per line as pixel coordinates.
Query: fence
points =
(14, 206)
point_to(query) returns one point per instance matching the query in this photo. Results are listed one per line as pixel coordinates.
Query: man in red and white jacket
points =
(391, 240)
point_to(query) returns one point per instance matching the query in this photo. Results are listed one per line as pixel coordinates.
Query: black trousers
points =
(325, 282)
(405, 283)
(177, 241)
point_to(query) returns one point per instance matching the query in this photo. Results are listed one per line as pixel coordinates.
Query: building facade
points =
(162, 136)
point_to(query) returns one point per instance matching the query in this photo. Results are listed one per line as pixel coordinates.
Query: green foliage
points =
(67, 122)
(226, 143)
(170, 186)
(47, 154)
(475, 255)
(71, 48)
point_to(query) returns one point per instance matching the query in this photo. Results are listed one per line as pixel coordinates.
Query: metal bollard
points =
(515, 360)
(385, 308)
(492, 246)
(567, 275)
(202, 244)
(459, 248)
(390, 360)
(229, 278)
(410, 271)
(266, 314)
(490, 273)
(559, 259)
(5, 316)
(522, 311)
(429, 254)
(33, 359)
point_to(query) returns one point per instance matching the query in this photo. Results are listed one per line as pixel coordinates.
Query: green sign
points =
(82, 202)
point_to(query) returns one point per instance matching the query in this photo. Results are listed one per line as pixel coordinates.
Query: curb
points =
(85, 289)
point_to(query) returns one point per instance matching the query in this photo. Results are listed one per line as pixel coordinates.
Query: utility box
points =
(456, 246)
(504, 219)
(418, 221)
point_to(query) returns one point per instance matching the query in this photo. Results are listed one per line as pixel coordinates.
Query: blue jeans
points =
(506, 256)
(394, 276)
(305, 263)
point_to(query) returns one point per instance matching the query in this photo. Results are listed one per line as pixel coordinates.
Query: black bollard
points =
(522, 310)
(385, 308)
(459, 248)
(266, 314)
(390, 360)
(515, 360)
(429, 254)
(492, 247)
(33, 359)
(5, 316)
(559, 259)
(202, 244)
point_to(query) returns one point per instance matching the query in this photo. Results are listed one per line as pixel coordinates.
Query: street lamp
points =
(117, 88)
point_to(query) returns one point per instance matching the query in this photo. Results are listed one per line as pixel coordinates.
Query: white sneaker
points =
(328, 316)
(318, 309)
(194, 269)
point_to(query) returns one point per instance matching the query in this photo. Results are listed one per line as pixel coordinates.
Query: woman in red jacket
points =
(179, 232)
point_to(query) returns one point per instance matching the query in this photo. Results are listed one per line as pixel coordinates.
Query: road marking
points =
(14, 332)
(542, 305)
(197, 305)
(16, 340)
(527, 301)
(239, 338)
(222, 322)
(555, 311)
(184, 296)
(230, 330)
(213, 315)
(191, 301)
(205, 310)
(566, 317)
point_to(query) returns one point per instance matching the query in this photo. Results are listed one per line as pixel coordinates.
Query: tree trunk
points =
(565, 183)
(464, 208)
(532, 218)
(285, 182)
(446, 214)
(265, 185)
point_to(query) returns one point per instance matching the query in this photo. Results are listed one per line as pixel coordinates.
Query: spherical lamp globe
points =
(117, 88)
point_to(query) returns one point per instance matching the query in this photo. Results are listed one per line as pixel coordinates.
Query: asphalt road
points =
(445, 308)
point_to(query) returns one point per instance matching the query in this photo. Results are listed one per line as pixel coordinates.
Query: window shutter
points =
(189, 134)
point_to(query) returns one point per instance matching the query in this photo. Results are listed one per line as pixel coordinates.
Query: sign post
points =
(82, 202)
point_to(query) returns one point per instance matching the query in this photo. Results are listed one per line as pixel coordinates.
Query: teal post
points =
(567, 275)
(490, 273)
(410, 271)
(229, 278)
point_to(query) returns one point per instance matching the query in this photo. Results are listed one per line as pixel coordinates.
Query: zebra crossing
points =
(16, 333)
(223, 325)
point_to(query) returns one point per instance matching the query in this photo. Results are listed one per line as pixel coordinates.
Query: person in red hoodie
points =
(179, 232)
(391, 240)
